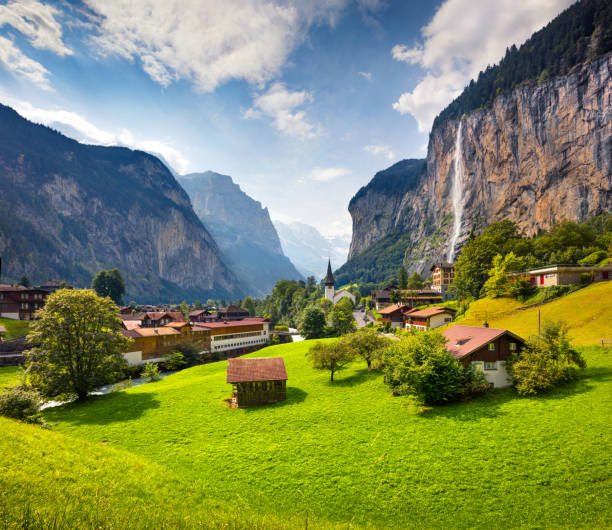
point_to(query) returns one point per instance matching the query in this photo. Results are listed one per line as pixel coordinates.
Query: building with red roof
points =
(257, 380)
(429, 318)
(486, 348)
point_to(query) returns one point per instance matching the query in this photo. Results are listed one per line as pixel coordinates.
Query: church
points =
(330, 294)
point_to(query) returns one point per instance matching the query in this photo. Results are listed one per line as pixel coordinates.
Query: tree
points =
(24, 281)
(79, 342)
(420, 365)
(395, 296)
(367, 344)
(341, 317)
(197, 306)
(499, 281)
(109, 283)
(312, 323)
(330, 356)
(546, 362)
(184, 309)
(249, 305)
(414, 282)
(402, 278)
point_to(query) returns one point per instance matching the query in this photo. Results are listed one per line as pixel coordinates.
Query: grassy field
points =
(14, 328)
(9, 375)
(588, 313)
(332, 454)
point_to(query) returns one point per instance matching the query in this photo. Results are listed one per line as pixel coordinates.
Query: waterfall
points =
(457, 195)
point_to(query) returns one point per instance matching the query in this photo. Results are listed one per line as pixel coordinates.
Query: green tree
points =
(198, 306)
(402, 278)
(109, 283)
(312, 323)
(414, 282)
(546, 362)
(341, 317)
(500, 281)
(184, 309)
(249, 305)
(24, 281)
(330, 356)
(79, 342)
(395, 296)
(367, 344)
(419, 365)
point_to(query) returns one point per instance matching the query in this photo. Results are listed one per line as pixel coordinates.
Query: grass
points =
(332, 454)
(14, 328)
(9, 375)
(588, 312)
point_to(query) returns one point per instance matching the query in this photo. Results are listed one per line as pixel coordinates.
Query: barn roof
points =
(391, 309)
(240, 370)
(430, 312)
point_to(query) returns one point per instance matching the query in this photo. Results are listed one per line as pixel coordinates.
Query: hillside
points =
(242, 229)
(588, 313)
(536, 151)
(347, 452)
(68, 210)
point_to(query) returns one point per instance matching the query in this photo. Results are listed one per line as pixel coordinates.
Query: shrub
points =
(420, 365)
(546, 362)
(174, 361)
(474, 381)
(21, 403)
(330, 356)
(151, 372)
(594, 258)
(191, 353)
(281, 328)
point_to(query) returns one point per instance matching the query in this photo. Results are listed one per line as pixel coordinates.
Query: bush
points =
(594, 258)
(545, 294)
(474, 381)
(420, 365)
(174, 361)
(151, 372)
(281, 328)
(191, 353)
(21, 403)
(546, 362)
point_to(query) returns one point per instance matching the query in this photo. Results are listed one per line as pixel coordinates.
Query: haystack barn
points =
(257, 380)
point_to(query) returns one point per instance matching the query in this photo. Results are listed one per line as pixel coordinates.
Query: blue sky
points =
(301, 102)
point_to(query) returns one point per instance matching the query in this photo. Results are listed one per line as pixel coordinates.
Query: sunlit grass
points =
(14, 328)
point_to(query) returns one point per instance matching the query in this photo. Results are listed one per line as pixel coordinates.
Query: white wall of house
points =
(238, 340)
(134, 358)
(439, 320)
(14, 316)
(499, 376)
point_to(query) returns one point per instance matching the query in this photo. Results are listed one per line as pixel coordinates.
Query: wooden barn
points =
(257, 380)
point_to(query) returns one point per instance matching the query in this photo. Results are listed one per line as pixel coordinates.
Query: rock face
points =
(539, 155)
(68, 210)
(243, 230)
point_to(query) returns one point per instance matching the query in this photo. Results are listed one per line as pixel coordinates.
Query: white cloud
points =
(383, 150)
(84, 131)
(14, 60)
(323, 174)
(462, 38)
(37, 22)
(282, 106)
(199, 41)
(366, 75)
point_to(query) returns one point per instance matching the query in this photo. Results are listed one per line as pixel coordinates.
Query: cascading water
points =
(457, 195)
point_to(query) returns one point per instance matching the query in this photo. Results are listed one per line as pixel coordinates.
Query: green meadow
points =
(348, 453)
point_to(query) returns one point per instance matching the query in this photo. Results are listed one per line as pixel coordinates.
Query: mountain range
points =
(530, 140)
(243, 230)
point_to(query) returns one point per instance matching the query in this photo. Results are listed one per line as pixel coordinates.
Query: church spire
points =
(329, 278)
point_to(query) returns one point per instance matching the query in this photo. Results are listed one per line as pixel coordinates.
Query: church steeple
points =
(329, 278)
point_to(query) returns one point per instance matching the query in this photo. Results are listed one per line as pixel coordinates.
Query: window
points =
(491, 346)
(513, 346)
(490, 366)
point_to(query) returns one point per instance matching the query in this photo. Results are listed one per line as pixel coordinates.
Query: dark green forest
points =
(581, 33)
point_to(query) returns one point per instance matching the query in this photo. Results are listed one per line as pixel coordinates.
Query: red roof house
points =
(257, 380)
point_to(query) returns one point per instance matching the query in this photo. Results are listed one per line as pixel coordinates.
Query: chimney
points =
(485, 324)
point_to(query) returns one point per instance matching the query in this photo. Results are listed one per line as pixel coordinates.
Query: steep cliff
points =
(243, 230)
(68, 210)
(539, 154)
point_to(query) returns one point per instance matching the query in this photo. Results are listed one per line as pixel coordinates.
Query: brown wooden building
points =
(257, 381)
(487, 348)
(20, 303)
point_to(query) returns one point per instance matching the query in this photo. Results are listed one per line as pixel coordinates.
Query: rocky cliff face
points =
(68, 210)
(243, 230)
(539, 155)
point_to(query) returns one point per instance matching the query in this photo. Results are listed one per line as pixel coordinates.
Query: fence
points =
(11, 351)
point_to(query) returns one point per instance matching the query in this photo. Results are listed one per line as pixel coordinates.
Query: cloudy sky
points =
(301, 102)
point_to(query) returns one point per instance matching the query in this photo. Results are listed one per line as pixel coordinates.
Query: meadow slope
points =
(349, 452)
(588, 313)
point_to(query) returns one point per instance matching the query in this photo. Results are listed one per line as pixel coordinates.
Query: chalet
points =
(198, 315)
(257, 381)
(54, 285)
(157, 319)
(232, 312)
(394, 315)
(429, 318)
(381, 298)
(567, 275)
(443, 275)
(421, 297)
(232, 338)
(487, 348)
(20, 303)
